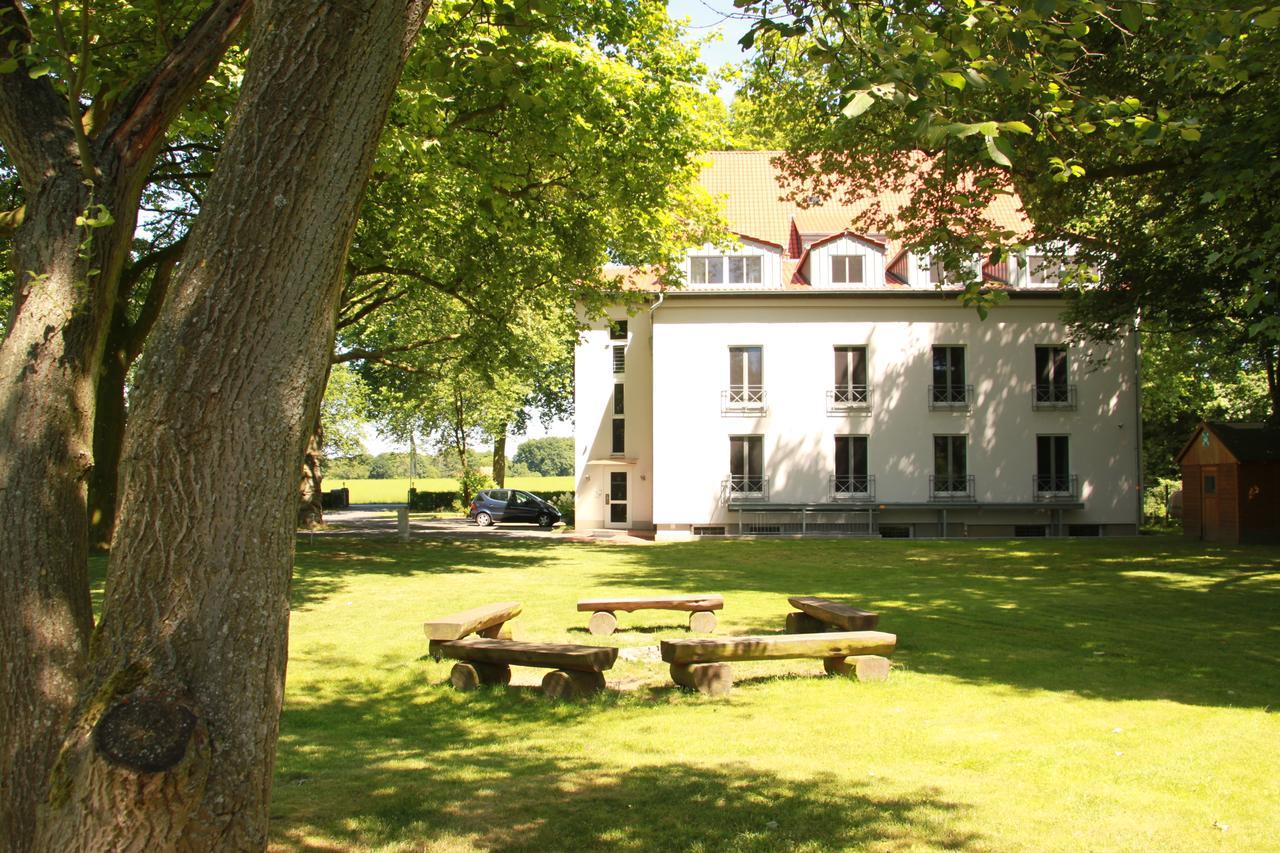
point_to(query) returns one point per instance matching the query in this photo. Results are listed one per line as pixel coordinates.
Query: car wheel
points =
(484, 519)
(544, 519)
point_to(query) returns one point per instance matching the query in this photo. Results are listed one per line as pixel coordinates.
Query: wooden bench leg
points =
(570, 684)
(702, 621)
(713, 679)
(602, 623)
(468, 675)
(861, 667)
(501, 631)
(803, 623)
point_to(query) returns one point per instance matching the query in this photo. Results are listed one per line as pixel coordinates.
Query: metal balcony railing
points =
(853, 489)
(744, 399)
(1053, 396)
(1055, 488)
(849, 398)
(952, 398)
(746, 487)
(951, 488)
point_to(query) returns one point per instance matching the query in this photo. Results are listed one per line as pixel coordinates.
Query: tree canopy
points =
(551, 456)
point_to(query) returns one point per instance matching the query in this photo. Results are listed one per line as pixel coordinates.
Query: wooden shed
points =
(1231, 483)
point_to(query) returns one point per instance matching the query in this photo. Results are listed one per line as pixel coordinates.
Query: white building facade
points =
(799, 386)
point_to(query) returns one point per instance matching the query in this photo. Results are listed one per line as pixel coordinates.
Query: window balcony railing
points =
(1051, 397)
(1055, 488)
(951, 488)
(744, 399)
(853, 489)
(746, 487)
(951, 398)
(849, 398)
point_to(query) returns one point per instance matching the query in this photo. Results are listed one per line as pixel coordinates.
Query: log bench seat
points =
(822, 614)
(703, 664)
(577, 671)
(603, 620)
(488, 620)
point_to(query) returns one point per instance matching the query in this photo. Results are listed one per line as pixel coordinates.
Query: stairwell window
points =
(618, 330)
(619, 359)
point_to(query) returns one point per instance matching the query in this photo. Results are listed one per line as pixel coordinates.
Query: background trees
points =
(1143, 135)
(550, 457)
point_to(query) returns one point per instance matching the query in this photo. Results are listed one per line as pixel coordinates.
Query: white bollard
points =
(402, 523)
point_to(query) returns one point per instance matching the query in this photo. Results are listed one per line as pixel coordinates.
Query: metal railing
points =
(1055, 488)
(745, 487)
(950, 397)
(846, 398)
(852, 488)
(951, 488)
(743, 398)
(1053, 396)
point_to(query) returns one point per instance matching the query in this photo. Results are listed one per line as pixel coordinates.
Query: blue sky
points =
(713, 16)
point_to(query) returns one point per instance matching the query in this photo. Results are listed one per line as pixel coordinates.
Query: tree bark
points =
(311, 489)
(65, 286)
(500, 456)
(123, 346)
(195, 620)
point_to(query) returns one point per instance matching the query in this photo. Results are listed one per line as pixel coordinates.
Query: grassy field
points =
(1052, 695)
(396, 491)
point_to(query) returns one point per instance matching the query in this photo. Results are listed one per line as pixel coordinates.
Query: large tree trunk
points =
(174, 738)
(108, 437)
(500, 456)
(67, 278)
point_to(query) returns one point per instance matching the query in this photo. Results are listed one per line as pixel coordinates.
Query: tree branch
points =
(34, 126)
(380, 356)
(138, 124)
(11, 220)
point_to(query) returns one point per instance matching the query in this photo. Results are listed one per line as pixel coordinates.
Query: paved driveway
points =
(380, 520)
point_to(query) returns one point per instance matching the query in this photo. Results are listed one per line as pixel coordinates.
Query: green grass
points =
(397, 490)
(1053, 695)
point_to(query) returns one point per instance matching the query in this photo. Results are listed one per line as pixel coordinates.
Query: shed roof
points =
(1246, 441)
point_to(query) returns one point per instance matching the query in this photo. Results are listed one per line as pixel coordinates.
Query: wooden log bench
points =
(822, 614)
(703, 664)
(577, 671)
(488, 620)
(603, 620)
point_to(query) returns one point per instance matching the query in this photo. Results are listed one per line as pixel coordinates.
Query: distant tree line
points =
(548, 457)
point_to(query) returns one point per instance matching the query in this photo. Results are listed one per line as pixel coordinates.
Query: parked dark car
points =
(511, 505)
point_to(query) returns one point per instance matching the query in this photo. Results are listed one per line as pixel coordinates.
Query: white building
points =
(817, 380)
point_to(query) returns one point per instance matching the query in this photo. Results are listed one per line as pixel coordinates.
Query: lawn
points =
(1053, 695)
(397, 490)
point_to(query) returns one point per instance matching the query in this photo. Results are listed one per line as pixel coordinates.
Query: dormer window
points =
(1043, 271)
(846, 269)
(733, 269)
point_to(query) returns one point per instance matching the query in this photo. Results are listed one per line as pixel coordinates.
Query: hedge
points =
(434, 501)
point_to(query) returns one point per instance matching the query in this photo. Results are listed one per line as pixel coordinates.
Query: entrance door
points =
(1210, 522)
(617, 500)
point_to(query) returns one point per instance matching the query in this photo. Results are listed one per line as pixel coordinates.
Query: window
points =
(500, 495)
(851, 465)
(1042, 270)
(1051, 375)
(1210, 484)
(948, 387)
(744, 269)
(712, 269)
(618, 330)
(937, 271)
(745, 369)
(1053, 472)
(950, 464)
(850, 375)
(746, 464)
(846, 269)
(706, 270)
(521, 499)
(618, 497)
(617, 398)
(619, 436)
(619, 359)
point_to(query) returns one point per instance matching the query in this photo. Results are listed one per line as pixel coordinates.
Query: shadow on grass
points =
(420, 768)
(323, 567)
(1117, 619)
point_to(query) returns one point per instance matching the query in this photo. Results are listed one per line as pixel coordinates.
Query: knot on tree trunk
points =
(147, 734)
